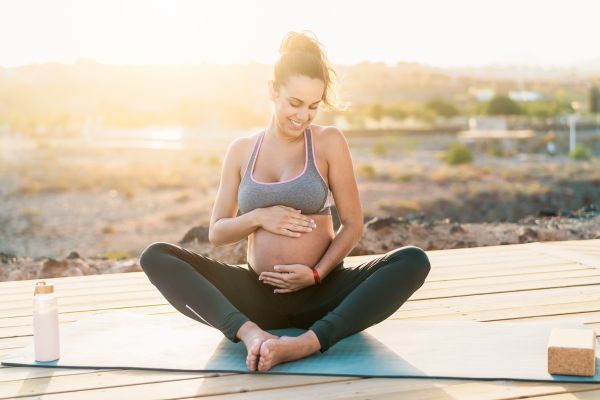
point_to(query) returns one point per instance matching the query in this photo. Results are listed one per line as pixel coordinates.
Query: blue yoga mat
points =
(392, 348)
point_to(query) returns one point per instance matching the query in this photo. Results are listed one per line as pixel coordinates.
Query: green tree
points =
(396, 112)
(581, 153)
(544, 109)
(457, 153)
(441, 107)
(594, 100)
(502, 105)
(376, 112)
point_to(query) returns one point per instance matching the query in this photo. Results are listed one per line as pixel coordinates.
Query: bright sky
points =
(441, 33)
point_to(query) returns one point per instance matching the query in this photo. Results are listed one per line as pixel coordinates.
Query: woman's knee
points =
(413, 258)
(152, 253)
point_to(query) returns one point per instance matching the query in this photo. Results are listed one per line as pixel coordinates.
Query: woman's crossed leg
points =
(348, 301)
(226, 297)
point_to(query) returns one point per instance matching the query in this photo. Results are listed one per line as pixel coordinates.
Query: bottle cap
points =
(42, 288)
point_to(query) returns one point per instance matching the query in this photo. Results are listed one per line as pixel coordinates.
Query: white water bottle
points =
(45, 323)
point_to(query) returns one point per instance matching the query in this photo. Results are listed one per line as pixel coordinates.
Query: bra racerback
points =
(307, 192)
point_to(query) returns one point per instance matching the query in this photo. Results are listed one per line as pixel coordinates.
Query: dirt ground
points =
(112, 203)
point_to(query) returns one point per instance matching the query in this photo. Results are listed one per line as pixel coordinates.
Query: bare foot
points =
(253, 337)
(286, 348)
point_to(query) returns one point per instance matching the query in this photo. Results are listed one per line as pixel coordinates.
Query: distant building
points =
(486, 129)
(482, 94)
(524, 95)
(485, 94)
(487, 123)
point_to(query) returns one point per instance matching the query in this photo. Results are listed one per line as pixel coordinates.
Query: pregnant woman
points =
(283, 181)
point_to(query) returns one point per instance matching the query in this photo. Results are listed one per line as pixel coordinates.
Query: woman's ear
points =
(273, 92)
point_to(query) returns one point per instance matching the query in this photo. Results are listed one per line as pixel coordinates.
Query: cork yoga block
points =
(572, 352)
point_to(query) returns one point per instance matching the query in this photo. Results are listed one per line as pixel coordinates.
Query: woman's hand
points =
(289, 277)
(284, 221)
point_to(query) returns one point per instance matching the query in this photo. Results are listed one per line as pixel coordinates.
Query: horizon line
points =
(254, 62)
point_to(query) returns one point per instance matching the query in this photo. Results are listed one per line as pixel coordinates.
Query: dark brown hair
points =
(302, 54)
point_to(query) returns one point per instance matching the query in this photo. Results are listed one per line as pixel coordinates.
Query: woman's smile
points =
(297, 125)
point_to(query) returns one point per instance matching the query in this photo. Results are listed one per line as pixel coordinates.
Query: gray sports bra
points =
(307, 192)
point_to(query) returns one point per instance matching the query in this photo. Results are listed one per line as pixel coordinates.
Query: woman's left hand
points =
(289, 277)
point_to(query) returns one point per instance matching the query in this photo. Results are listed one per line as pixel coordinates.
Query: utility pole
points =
(572, 132)
(572, 126)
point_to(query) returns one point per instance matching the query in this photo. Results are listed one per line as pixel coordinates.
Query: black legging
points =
(224, 296)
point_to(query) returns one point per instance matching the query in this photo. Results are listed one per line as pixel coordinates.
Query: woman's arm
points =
(225, 227)
(347, 201)
(233, 229)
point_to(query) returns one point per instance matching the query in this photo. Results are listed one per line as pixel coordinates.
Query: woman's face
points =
(296, 102)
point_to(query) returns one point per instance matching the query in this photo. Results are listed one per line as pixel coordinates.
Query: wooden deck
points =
(531, 281)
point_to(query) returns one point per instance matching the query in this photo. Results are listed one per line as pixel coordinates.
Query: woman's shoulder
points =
(241, 145)
(327, 137)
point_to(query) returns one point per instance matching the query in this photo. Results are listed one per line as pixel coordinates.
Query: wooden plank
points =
(483, 259)
(24, 326)
(142, 283)
(565, 254)
(17, 374)
(583, 395)
(127, 280)
(28, 319)
(541, 276)
(584, 317)
(409, 309)
(570, 300)
(578, 244)
(143, 384)
(431, 310)
(450, 261)
(66, 303)
(413, 389)
(453, 305)
(542, 284)
(509, 313)
(459, 274)
(70, 279)
(121, 301)
(465, 253)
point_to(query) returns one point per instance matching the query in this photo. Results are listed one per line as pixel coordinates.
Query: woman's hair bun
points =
(301, 42)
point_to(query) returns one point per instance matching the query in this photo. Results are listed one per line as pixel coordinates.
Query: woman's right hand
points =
(284, 220)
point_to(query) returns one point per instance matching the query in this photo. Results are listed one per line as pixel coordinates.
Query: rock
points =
(72, 271)
(456, 228)
(6, 258)
(367, 219)
(125, 266)
(566, 213)
(380, 235)
(417, 232)
(428, 224)
(380, 223)
(589, 211)
(16, 275)
(547, 213)
(527, 235)
(73, 255)
(52, 267)
(197, 233)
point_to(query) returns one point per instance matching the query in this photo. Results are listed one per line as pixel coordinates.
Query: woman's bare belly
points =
(266, 249)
